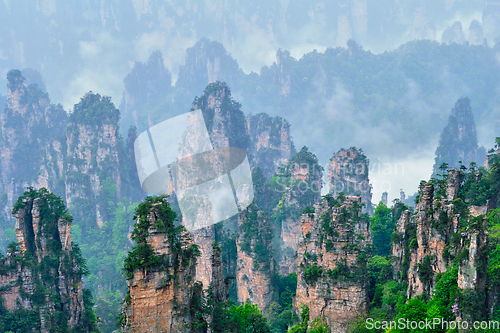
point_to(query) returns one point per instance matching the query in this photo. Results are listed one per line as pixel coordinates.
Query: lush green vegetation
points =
(239, 319)
(230, 112)
(447, 301)
(256, 235)
(142, 256)
(382, 225)
(281, 315)
(318, 325)
(46, 268)
(94, 110)
(306, 192)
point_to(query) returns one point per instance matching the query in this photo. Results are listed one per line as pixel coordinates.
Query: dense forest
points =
(84, 247)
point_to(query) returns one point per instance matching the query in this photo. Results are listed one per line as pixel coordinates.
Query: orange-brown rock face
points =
(435, 234)
(43, 230)
(348, 173)
(204, 238)
(254, 263)
(166, 297)
(158, 301)
(226, 127)
(160, 296)
(331, 268)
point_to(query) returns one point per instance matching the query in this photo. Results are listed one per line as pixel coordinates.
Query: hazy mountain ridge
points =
(101, 38)
(351, 97)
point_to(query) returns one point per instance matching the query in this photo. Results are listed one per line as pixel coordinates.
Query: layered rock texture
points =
(207, 62)
(93, 146)
(348, 173)
(442, 229)
(271, 143)
(299, 184)
(41, 277)
(458, 141)
(255, 262)
(83, 158)
(226, 127)
(266, 141)
(33, 142)
(161, 288)
(332, 261)
(164, 295)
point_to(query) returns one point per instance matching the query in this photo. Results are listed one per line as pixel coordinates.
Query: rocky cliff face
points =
(206, 62)
(147, 86)
(33, 146)
(299, 183)
(270, 146)
(271, 143)
(74, 159)
(332, 261)
(254, 263)
(164, 295)
(442, 229)
(476, 33)
(44, 273)
(226, 127)
(283, 75)
(453, 34)
(458, 141)
(348, 173)
(92, 151)
(160, 296)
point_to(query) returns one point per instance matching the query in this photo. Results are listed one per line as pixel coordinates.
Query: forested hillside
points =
(350, 96)
(311, 251)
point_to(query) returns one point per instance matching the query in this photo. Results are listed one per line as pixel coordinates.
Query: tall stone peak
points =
(42, 273)
(332, 261)
(160, 271)
(348, 173)
(475, 33)
(146, 88)
(458, 141)
(299, 183)
(453, 34)
(442, 230)
(31, 140)
(206, 62)
(271, 142)
(283, 59)
(15, 80)
(226, 123)
(255, 261)
(95, 153)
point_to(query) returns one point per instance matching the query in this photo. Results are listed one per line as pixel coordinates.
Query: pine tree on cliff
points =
(458, 141)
